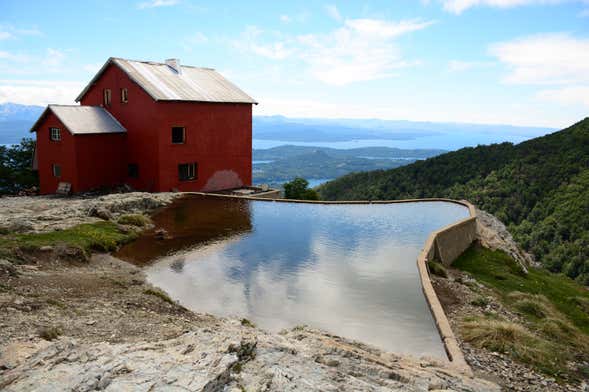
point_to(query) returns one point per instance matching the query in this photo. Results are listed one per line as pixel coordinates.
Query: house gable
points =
(172, 82)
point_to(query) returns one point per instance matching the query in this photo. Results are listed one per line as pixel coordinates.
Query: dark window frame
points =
(51, 134)
(183, 135)
(133, 170)
(124, 95)
(107, 97)
(56, 170)
(188, 171)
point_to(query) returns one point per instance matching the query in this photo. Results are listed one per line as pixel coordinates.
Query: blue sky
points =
(521, 62)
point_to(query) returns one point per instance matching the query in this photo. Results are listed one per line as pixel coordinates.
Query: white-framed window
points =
(54, 134)
(178, 135)
(107, 95)
(187, 171)
(124, 95)
(56, 170)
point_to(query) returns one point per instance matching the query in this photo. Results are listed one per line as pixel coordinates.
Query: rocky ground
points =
(46, 213)
(74, 324)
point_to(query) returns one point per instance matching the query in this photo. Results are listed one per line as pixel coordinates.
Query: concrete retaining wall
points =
(444, 245)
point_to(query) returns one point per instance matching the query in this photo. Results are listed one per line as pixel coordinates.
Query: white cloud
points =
(5, 35)
(567, 95)
(545, 59)
(10, 32)
(157, 3)
(249, 42)
(360, 50)
(285, 18)
(333, 12)
(458, 6)
(39, 92)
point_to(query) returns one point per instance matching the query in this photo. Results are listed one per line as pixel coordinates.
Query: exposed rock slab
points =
(493, 234)
(232, 357)
(47, 213)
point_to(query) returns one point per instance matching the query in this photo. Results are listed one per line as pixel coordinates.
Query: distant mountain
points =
(15, 112)
(420, 134)
(289, 151)
(16, 121)
(539, 188)
(281, 164)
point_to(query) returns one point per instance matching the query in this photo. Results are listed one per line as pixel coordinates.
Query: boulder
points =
(7, 268)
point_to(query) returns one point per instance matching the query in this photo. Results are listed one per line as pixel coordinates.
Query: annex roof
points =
(164, 82)
(81, 120)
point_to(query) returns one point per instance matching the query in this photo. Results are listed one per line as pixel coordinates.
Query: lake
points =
(348, 269)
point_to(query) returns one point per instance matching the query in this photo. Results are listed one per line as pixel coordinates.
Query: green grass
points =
(437, 269)
(517, 341)
(134, 220)
(554, 329)
(100, 236)
(499, 271)
(160, 294)
(480, 302)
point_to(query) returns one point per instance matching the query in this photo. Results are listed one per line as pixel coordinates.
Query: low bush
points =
(160, 294)
(437, 269)
(134, 220)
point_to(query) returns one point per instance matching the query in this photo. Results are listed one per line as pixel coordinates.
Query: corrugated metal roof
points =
(82, 120)
(163, 83)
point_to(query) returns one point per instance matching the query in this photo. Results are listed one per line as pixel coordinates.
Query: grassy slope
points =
(529, 186)
(100, 236)
(554, 307)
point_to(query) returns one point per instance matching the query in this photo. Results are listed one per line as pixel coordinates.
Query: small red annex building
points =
(154, 126)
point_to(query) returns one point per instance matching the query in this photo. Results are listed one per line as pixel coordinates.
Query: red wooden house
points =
(155, 126)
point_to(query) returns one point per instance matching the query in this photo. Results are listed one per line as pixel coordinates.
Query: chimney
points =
(175, 65)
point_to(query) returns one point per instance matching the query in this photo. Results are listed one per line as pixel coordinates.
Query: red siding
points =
(138, 116)
(62, 153)
(218, 137)
(101, 160)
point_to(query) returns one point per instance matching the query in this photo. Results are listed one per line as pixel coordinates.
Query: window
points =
(124, 95)
(107, 97)
(178, 135)
(133, 170)
(187, 171)
(56, 170)
(54, 134)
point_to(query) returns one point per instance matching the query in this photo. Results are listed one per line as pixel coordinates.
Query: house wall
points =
(140, 119)
(218, 139)
(61, 153)
(101, 160)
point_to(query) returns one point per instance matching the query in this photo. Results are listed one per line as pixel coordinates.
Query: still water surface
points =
(348, 269)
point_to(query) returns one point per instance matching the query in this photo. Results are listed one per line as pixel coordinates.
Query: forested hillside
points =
(540, 188)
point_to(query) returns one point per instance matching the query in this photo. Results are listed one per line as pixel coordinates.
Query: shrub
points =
(480, 302)
(134, 220)
(298, 189)
(437, 269)
(50, 333)
(160, 294)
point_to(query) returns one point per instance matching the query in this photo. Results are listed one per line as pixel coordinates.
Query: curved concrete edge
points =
(429, 252)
